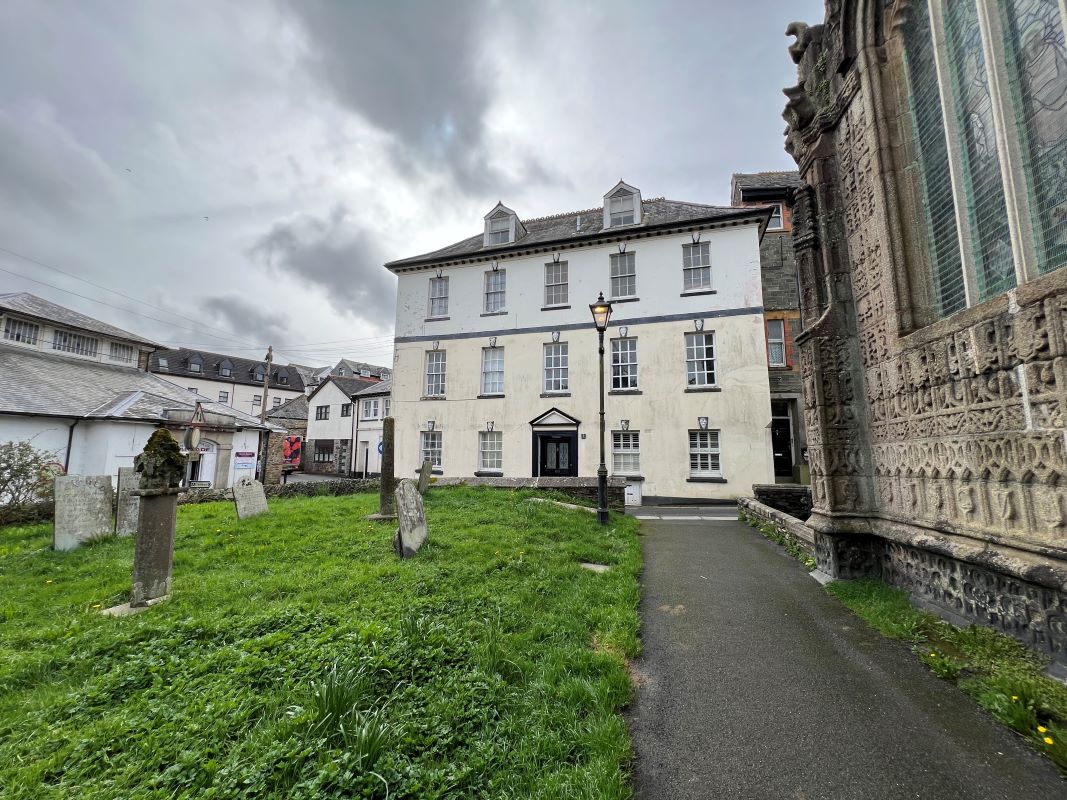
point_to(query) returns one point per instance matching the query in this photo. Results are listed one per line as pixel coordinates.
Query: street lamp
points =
(601, 311)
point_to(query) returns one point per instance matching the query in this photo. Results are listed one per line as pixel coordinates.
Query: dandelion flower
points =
(1041, 729)
(96, 605)
(1048, 740)
(48, 581)
(933, 654)
(1015, 697)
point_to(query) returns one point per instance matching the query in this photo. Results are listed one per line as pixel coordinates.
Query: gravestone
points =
(387, 483)
(249, 497)
(160, 467)
(129, 505)
(411, 535)
(82, 510)
(424, 476)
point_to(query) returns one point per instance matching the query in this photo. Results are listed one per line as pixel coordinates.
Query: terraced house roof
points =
(243, 370)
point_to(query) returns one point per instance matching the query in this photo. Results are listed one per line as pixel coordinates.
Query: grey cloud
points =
(416, 70)
(249, 322)
(338, 257)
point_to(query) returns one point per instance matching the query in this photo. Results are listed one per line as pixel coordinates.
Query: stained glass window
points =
(939, 209)
(983, 183)
(1037, 58)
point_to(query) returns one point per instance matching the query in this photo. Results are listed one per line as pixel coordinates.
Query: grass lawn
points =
(298, 657)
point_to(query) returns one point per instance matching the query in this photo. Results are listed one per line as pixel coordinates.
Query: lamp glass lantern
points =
(601, 311)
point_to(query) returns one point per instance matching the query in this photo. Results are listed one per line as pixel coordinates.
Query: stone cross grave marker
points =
(249, 497)
(424, 476)
(160, 467)
(387, 482)
(82, 510)
(128, 505)
(411, 535)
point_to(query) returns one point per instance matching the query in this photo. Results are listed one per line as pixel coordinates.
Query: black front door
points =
(782, 446)
(557, 454)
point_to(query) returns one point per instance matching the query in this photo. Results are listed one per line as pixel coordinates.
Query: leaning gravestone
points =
(387, 482)
(249, 497)
(411, 535)
(83, 509)
(129, 505)
(424, 476)
(160, 467)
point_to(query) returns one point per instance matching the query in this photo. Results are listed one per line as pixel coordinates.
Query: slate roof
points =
(349, 386)
(30, 305)
(565, 229)
(380, 388)
(355, 366)
(296, 408)
(47, 385)
(307, 374)
(243, 368)
(743, 183)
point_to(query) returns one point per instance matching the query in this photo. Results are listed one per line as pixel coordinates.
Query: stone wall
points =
(784, 524)
(936, 448)
(341, 486)
(792, 499)
(778, 272)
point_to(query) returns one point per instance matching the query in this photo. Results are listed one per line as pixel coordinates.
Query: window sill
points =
(490, 396)
(555, 394)
(434, 397)
(624, 391)
(694, 389)
(554, 308)
(488, 473)
(705, 480)
(436, 319)
(780, 367)
(493, 314)
(631, 478)
(698, 292)
(615, 300)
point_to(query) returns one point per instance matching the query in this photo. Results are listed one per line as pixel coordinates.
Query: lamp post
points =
(601, 311)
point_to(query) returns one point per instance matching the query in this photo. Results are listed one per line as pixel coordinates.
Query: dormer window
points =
(502, 226)
(226, 369)
(364, 373)
(622, 206)
(260, 374)
(283, 377)
(196, 364)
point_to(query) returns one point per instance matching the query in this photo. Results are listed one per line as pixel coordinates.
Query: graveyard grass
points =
(299, 658)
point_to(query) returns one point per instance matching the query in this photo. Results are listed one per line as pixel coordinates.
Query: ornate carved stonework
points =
(957, 428)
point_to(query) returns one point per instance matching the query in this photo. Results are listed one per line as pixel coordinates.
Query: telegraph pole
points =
(266, 385)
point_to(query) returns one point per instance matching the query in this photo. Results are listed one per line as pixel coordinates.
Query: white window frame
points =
(621, 210)
(624, 370)
(705, 453)
(493, 371)
(122, 353)
(622, 269)
(557, 274)
(436, 366)
(430, 447)
(370, 408)
(773, 340)
(556, 361)
(697, 348)
(500, 229)
(496, 282)
(626, 453)
(778, 214)
(438, 302)
(491, 451)
(385, 407)
(18, 330)
(70, 342)
(696, 267)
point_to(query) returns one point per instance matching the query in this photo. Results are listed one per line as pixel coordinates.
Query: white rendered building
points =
(372, 406)
(496, 359)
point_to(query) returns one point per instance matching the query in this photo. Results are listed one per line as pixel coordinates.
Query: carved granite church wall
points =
(937, 448)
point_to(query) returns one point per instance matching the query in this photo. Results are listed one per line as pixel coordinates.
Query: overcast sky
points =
(249, 166)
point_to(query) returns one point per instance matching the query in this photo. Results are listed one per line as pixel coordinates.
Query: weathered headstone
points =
(83, 509)
(411, 535)
(249, 497)
(128, 506)
(160, 467)
(387, 487)
(424, 476)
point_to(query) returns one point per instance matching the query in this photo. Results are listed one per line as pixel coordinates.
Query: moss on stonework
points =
(161, 463)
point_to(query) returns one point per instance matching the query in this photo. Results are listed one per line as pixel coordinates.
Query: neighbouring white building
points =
(372, 406)
(77, 388)
(229, 380)
(495, 369)
(331, 427)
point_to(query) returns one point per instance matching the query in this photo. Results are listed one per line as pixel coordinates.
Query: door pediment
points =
(555, 418)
